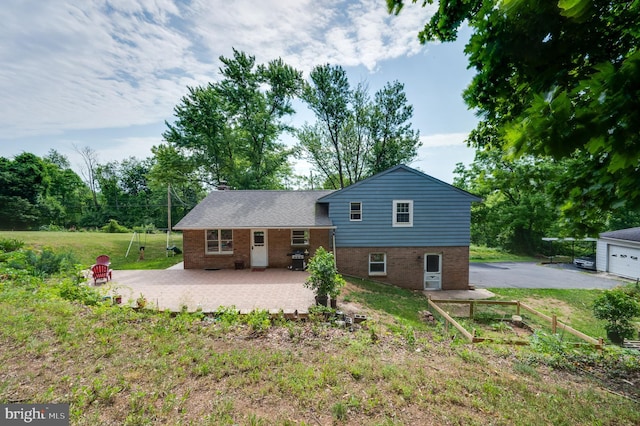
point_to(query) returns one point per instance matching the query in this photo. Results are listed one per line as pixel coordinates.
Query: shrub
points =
(259, 320)
(52, 228)
(228, 315)
(71, 290)
(617, 308)
(49, 262)
(10, 244)
(320, 313)
(324, 279)
(113, 227)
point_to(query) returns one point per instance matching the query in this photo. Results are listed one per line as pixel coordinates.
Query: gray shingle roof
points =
(258, 209)
(629, 234)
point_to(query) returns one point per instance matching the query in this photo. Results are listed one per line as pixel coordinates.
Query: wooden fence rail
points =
(553, 320)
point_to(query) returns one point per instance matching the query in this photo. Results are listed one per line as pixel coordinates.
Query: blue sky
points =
(108, 73)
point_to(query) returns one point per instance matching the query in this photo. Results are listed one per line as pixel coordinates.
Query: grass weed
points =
(117, 365)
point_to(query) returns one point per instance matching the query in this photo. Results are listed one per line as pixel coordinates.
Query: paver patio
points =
(271, 289)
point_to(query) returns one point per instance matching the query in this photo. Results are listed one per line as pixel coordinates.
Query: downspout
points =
(335, 250)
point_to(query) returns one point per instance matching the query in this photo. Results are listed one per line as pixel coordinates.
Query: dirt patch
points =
(551, 306)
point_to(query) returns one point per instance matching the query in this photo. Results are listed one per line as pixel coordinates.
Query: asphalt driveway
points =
(535, 275)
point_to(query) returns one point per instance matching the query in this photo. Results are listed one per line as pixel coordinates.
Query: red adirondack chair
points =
(100, 272)
(103, 259)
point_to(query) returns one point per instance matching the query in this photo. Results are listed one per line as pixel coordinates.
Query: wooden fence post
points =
(554, 324)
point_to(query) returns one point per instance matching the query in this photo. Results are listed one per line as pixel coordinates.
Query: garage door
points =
(624, 261)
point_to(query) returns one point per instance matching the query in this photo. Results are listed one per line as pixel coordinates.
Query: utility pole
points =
(168, 218)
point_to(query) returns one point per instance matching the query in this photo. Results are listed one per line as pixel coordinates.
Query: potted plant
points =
(618, 309)
(324, 278)
(141, 301)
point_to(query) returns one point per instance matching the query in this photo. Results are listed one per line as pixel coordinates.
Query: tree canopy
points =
(555, 78)
(354, 137)
(229, 130)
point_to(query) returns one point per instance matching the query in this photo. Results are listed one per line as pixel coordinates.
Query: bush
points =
(324, 279)
(618, 309)
(228, 316)
(10, 244)
(259, 320)
(49, 262)
(51, 228)
(113, 227)
(73, 291)
(42, 264)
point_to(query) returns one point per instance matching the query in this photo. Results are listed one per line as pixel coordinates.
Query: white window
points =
(355, 211)
(299, 237)
(219, 241)
(402, 212)
(377, 264)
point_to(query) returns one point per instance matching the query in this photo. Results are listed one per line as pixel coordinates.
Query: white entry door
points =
(432, 271)
(259, 248)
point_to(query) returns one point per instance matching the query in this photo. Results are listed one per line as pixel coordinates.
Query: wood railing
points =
(553, 320)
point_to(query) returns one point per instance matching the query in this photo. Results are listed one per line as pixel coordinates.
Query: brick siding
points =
(405, 265)
(278, 244)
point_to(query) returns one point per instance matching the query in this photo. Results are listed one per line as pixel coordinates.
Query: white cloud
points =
(444, 139)
(105, 64)
(95, 67)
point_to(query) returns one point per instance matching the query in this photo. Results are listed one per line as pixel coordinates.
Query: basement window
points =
(377, 264)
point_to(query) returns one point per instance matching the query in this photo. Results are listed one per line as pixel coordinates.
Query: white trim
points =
(220, 251)
(384, 263)
(433, 279)
(259, 252)
(351, 211)
(395, 213)
(307, 237)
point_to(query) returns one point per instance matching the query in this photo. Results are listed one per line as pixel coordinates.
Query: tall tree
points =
(67, 197)
(22, 181)
(173, 172)
(229, 130)
(355, 137)
(108, 178)
(328, 96)
(394, 141)
(518, 208)
(89, 171)
(554, 78)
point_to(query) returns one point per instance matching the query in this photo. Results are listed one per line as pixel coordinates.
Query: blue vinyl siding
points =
(441, 213)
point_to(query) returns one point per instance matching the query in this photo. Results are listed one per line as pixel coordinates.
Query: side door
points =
(432, 271)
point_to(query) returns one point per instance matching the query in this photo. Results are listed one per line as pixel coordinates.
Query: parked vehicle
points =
(586, 262)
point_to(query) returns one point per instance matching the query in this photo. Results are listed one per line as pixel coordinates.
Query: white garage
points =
(618, 252)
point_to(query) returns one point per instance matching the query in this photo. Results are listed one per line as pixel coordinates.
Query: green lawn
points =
(121, 366)
(117, 365)
(86, 246)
